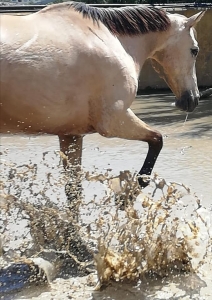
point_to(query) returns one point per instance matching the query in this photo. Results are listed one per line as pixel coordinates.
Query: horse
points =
(72, 69)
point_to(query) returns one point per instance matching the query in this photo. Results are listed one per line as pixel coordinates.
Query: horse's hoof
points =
(143, 182)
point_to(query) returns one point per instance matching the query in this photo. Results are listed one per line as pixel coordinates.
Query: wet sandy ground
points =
(186, 157)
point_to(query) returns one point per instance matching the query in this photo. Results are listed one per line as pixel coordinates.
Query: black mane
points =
(129, 20)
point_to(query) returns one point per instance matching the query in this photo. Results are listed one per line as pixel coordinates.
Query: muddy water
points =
(186, 157)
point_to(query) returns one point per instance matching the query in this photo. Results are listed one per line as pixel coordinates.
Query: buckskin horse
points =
(72, 69)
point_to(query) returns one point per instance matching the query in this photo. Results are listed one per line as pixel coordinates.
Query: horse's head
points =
(177, 57)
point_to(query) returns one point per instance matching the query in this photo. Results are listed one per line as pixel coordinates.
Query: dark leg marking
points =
(155, 147)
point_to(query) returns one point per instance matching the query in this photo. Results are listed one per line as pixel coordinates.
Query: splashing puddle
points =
(126, 244)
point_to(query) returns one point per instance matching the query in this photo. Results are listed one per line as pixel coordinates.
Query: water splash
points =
(154, 236)
(132, 234)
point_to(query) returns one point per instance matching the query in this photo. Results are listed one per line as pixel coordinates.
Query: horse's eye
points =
(194, 52)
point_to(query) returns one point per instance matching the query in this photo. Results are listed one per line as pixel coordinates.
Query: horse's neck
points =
(142, 47)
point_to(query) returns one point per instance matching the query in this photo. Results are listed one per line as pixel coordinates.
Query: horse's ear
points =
(192, 21)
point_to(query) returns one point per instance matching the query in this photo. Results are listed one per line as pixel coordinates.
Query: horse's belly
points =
(37, 113)
(42, 124)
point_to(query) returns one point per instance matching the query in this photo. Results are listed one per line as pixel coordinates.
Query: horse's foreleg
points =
(71, 146)
(127, 126)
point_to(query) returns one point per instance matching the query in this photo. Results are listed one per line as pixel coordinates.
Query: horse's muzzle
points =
(188, 102)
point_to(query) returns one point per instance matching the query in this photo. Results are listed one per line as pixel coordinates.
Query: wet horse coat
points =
(72, 69)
